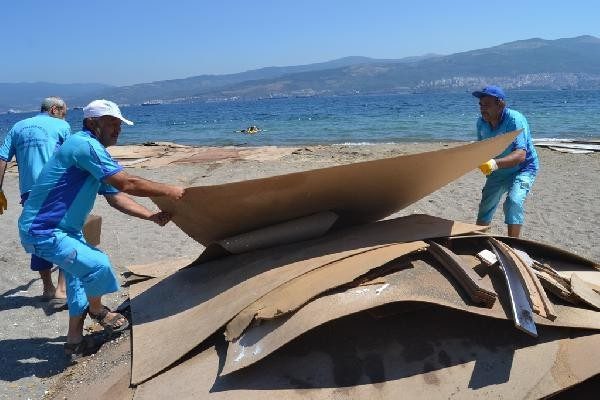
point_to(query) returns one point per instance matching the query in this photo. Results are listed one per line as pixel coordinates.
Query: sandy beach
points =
(562, 210)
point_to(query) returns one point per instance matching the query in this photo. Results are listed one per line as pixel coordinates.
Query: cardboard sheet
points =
(421, 283)
(425, 354)
(584, 292)
(187, 307)
(293, 231)
(359, 193)
(162, 268)
(293, 294)
(92, 229)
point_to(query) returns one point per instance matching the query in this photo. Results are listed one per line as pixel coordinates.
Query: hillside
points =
(572, 63)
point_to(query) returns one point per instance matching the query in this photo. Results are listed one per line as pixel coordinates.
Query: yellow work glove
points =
(3, 202)
(488, 167)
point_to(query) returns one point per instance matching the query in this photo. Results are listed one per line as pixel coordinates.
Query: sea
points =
(356, 119)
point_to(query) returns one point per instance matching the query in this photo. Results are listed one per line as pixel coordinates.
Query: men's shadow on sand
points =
(40, 357)
(12, 300)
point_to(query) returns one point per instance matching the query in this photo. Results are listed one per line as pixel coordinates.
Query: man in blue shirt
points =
(33, 141)
(61, 199)
(514, 170)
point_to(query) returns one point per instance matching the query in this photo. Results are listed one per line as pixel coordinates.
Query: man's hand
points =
(161, 218)
(3, 202)
(175, 192)
(488, 167)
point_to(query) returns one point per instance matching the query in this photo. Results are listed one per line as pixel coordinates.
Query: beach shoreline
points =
(562, 210)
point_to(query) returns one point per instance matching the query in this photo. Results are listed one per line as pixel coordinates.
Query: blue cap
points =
(494, 91)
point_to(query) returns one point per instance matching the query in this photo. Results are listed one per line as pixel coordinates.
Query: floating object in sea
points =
(251, 130)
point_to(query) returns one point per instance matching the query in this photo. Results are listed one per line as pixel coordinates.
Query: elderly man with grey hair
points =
(33, 141)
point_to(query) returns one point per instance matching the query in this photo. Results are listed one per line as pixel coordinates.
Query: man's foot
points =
(86, 346)
(111, 321)
(49, 293)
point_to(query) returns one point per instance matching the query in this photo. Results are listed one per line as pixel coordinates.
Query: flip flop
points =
(58, 304)
(109, 323)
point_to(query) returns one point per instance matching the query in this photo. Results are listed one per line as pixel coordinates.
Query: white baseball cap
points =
(99, 108)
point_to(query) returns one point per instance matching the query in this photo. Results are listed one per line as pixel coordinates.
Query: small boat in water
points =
(152, 103)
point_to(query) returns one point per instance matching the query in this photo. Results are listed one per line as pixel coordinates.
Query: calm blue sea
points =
(347, 119)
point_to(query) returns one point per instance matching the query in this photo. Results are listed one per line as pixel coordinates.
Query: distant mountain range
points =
(571, 63)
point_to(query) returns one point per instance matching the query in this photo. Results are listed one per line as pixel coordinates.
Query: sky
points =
(133, 41)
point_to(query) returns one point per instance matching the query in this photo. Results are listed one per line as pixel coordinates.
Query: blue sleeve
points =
(7, 150)
(96, 160)
(520, 141)
(64, 133)
(105, 189)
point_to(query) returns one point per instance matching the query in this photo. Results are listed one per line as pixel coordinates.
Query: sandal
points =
(109, 324)
(86, 347)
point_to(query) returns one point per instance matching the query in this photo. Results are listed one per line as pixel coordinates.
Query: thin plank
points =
(519, 299)
(479, 290)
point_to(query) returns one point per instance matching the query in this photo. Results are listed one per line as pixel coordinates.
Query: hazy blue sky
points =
(132, 41)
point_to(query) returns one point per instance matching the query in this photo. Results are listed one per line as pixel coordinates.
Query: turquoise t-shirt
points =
(511, 120)
(33, 141)
(66, 189)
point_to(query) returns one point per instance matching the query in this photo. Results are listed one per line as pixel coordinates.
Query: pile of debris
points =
(302, 291)
(369, 312)
(159, 154)
(569, 145)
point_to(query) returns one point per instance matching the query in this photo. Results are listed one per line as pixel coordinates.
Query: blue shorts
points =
(39, 264)
(517, 186)
(88, 271)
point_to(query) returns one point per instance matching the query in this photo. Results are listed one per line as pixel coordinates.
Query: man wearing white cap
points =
(60, 200)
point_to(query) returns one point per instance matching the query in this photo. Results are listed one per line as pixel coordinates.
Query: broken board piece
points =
(555, 287)
(479, 290)
(487, 257)
(537, 296)
(584, 292)
(519, 298)
(293, 294)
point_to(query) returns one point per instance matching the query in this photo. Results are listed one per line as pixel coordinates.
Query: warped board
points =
(422, 283)
(359, 193)
(434, 353)
(159, 269)
(185, 308)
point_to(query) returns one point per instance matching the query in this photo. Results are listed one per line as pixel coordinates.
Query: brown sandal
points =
(109, 324)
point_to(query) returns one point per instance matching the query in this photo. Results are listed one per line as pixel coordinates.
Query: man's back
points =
(33, 141)
(67, 187)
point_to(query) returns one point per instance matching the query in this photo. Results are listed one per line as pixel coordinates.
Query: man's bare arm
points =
(3, 165)
(512, 159)
(127, 205)
(3, 201)
(136, 186)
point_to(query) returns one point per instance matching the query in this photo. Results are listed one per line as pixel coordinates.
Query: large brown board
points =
(358, 193)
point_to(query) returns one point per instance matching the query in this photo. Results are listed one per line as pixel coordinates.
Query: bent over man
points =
(60, 200)
(33, 141)
(514, 170)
